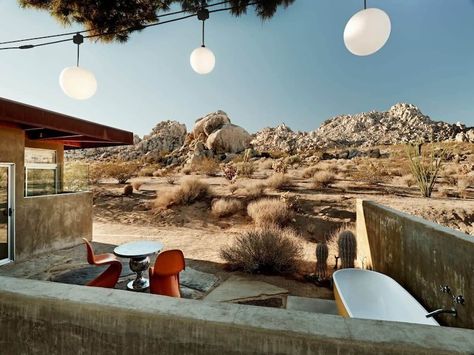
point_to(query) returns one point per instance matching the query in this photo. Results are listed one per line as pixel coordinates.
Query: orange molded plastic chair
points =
(110, 276)
(164, 276)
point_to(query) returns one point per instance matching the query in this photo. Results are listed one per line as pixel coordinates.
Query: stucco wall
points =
(53, 222)
(421, 256)
(49, 318)
(45, 222)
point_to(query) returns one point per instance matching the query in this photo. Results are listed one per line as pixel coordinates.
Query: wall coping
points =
(337, 331)
(416, 219)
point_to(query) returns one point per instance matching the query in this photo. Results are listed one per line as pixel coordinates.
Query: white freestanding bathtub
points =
(372, 295)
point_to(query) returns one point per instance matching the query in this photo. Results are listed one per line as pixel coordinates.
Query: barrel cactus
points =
(322, 253)
(347, 245)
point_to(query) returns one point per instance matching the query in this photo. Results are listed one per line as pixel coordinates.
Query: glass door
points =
(6, 213)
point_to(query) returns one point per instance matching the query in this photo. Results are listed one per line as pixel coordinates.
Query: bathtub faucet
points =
(440, 311)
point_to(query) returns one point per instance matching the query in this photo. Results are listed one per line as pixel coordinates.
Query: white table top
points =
(137, 249)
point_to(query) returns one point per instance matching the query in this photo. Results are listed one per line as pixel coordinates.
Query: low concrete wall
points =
(39, 317)
(421, 256)
(52, 222)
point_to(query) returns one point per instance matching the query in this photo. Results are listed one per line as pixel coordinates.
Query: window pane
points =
(40, 156)
(40, 182)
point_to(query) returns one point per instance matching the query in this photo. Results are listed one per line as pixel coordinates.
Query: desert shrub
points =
(278, 181)
(190, 190)
(207, 166)
(323, 179)
(227, 207)
(329, 166)
(267, 250)
(269, 212)
(147, 171)
(121, 171)
(96, 172)
(230, 172)
(293, 159)
(246, 168)
(310, 171)
(75, 176)
(425, 167)
(128, 190)
(280, 166)
(136, 185)
(254, 190)
(372, 173)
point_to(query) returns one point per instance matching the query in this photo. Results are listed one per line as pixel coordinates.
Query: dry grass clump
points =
(191, 189)
(279, 181)
(246, 169)
(207, 166)
(254, 190)
(310, 171)
(227, 207)
(187, 170)
(329, 166)
(267, 250)
(323, 179)
(269, 212)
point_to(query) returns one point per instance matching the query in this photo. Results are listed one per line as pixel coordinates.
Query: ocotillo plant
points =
(322, 253)
(347, 245)
(425, 167)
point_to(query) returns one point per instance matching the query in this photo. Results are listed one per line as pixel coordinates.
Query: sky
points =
(293, 68)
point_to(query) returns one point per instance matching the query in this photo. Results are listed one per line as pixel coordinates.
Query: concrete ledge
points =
(51, 318)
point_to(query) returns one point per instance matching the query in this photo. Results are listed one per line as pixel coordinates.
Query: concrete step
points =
(313, 305)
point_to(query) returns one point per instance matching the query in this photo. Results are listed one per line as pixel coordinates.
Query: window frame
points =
(42, 166)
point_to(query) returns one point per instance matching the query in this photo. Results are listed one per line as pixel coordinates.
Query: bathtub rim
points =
(352, 270)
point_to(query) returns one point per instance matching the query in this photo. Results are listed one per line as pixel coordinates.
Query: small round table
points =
(139, 253)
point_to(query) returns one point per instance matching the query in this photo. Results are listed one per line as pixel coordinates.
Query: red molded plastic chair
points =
(164, 276)
(110, 276)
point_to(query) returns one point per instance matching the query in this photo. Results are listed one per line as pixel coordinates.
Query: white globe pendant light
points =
(76, 82)
(202, 59)
(367, 31)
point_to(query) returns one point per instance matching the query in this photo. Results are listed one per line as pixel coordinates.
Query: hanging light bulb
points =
(202, 59)
(76, 82)
(367, 31)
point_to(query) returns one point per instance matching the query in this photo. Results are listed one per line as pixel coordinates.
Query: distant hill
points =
(401, 123)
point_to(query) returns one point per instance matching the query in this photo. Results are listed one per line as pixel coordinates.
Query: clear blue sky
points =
(293, 68)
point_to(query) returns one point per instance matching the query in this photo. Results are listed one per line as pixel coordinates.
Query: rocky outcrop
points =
(401, 123)
(228, 139)
(210, 123)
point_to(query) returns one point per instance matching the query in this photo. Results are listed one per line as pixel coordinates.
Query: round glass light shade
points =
(367, 32)
(202, 60)
(78, 83)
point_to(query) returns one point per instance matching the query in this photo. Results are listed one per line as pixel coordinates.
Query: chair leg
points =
(109, 277)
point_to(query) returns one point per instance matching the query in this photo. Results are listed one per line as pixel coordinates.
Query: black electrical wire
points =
(90, 30)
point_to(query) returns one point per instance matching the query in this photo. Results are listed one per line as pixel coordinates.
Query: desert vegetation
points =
(266, 250)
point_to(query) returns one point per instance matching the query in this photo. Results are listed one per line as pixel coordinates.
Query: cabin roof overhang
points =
(75, 133)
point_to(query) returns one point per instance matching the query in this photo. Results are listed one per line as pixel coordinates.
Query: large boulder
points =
(210, 123)
(229, 139)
